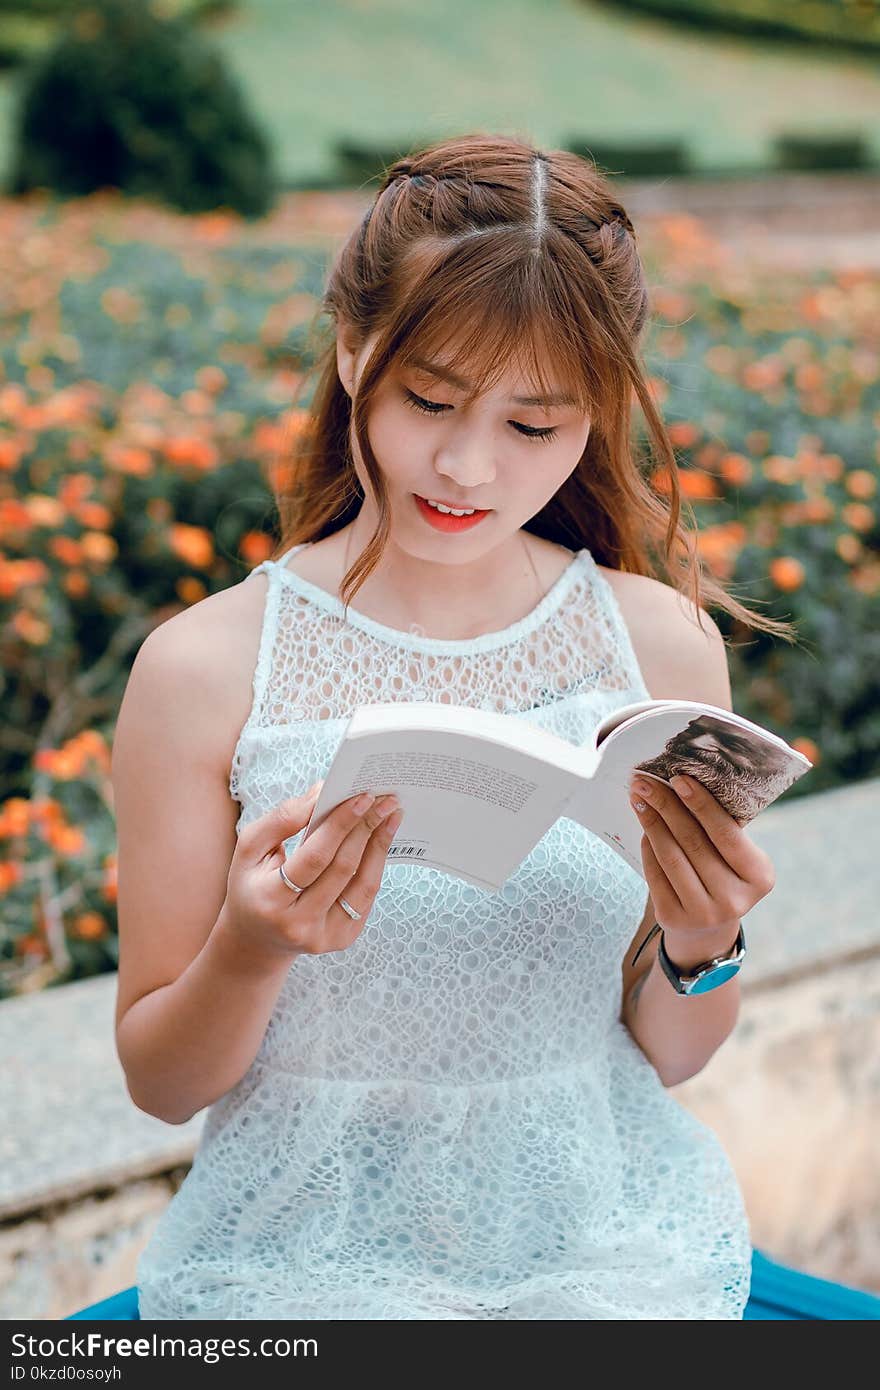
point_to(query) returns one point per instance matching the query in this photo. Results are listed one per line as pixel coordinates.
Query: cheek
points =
(393, 438)
(556, 469)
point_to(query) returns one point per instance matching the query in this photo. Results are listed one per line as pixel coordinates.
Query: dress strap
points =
(268, 565)
(617, 626)
(268, 631)
(273, 570)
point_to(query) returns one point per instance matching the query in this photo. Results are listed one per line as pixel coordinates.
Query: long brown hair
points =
(488, 247)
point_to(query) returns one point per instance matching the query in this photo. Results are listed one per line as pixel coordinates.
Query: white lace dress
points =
(448, 1119)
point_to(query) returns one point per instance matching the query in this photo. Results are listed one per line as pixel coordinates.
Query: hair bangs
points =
(481, 326)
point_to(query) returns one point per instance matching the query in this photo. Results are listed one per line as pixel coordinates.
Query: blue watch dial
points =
(719, 976)
(708, 977)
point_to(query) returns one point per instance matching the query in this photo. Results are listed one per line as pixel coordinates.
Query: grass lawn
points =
(396, 70)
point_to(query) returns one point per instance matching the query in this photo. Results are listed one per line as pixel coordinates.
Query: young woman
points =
(427, 1101)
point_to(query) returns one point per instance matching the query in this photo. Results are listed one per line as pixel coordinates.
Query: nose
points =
(467, 462)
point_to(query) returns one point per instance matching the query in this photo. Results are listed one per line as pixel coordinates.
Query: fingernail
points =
(642, 788)
(362, 804)
(681, 785)
(385, 808)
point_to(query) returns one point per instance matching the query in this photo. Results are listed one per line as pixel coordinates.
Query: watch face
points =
(713, 978)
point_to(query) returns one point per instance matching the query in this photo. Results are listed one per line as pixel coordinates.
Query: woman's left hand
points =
(703, 871)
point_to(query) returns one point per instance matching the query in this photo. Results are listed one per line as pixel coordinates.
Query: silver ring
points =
(347, 907)
(287, 880)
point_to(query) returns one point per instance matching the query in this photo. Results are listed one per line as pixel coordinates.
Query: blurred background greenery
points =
(178, 176)
(723, 88)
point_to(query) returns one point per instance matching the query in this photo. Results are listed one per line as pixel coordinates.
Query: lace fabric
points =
(448, 1119)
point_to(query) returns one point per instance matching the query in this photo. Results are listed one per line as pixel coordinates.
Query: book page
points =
(472, 807)
(612, 725)
(744, 768)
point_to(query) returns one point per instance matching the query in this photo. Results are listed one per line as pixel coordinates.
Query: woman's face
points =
(495, 453)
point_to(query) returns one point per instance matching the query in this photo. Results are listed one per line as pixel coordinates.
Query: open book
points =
(479, 789)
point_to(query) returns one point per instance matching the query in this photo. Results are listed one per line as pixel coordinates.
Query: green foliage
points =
(359, 163)
(162, 9)
(636, 158)
(850, 23)
(131, 101)
(23, 36)
(821, 152)
(27, 27)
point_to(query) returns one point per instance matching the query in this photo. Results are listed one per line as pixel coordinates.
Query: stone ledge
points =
(794, 1097)
(77, 1131)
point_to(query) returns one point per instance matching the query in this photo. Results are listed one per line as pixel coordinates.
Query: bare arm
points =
(186, 1044)
(191, 1010)
(679, 1033)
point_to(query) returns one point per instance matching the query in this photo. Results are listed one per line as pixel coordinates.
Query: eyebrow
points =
(444, 374)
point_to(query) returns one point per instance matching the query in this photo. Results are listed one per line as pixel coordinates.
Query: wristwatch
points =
(698, 979)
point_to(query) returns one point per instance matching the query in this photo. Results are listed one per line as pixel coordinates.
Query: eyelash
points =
(432, 408)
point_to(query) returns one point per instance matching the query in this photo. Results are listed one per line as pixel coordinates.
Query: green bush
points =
(126, 100)
(358, 163)
(848, 23)
(27, 27)
(821, 152)
(636, 158)
(23, 37)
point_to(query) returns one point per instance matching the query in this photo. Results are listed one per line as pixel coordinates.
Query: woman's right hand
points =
(344, 857)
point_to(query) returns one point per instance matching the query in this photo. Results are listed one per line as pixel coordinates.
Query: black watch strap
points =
(675, 974)
(682, 980)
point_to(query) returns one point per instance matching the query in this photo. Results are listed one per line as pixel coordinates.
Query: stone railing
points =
(793, 1094)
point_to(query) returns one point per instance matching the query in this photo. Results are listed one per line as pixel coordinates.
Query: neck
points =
(457, 600)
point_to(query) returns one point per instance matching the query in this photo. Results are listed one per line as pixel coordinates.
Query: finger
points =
(336, 869)
(360, 893)
(312, 856)
(744, 857)
(676, 865)
(261, 839)
(689, 839)
(663, 896)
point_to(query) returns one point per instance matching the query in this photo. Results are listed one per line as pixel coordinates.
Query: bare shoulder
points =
(220, 637)
(679, 648)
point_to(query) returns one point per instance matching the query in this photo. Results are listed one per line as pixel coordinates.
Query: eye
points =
(434, 408)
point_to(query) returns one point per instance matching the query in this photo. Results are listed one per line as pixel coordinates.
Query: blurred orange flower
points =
(11, 874)
(191, 451)
(736, 469)
(778, 468)
(89, 926)
(807, 747)
(848, 547)
(858, 515)
(212, 378)
(860, 483)
(255, 547)
(786, 572)
(698, 485)
(192, 544)
(683, 434)
(190, 589)
(14, 816)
